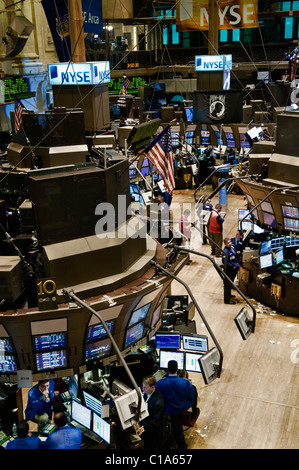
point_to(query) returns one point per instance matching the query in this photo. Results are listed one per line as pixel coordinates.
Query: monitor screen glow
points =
(81, 414)
(265, 246)
(101, 428)
(92, 403)
(291, 224)
(51, 360)
(279, 257)
(192, 362)
(166, 356)
(50, 341)
(269, 219)
(266, 261)
(195, 343)
(168, 341)
(98, 331)
(139, 314)
(8, 363)
(289, 211)
(134, 334)
(97, 349)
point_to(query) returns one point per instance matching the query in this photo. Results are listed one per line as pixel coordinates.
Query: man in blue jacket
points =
(231, 269)
(24, 440)
(179, 395)
(40, 403)
(64, 437)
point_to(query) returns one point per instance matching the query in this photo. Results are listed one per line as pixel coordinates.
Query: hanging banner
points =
(211, 107)
(232, 14)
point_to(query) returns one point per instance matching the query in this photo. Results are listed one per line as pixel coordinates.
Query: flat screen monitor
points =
(277, 242)
(289, 211)
(189, 136)
(266, 261)
(209, 365)
(195, 343)
(219, 139)
(132, 171)
(97, 349)
(189, 114)
(175, 139)
(205, 137)
(94, 404)
(126, 407)
(49, 341)
(267, 207)
(166, 356)
(168, 340)
(291, 241)
(73, 387)
(139, 314)
(291, 224)
(244, 323)
(230, 139)
(98, 331)
(244, 226)
(145, 167)
(8, 363)
(243, 214)
(279, 257)
(244, 142)
(5, 346)
(51, 360)
(265, 246)
(192, 362)
(80, 414)
(269, 219)
(156, 315)
(134, 334)
(101, 428)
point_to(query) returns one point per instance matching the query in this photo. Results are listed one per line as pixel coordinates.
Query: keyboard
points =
(86, 432)
(159, 374)
(48, 428)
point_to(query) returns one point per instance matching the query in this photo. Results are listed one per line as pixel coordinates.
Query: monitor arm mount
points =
(160, 269)
(70, 296)
(223, 275)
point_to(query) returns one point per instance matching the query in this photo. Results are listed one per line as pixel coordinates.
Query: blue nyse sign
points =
(86, 73)
(210, 63)
(92, 16)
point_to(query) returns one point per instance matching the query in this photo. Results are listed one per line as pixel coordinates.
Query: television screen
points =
(205, 137)
(101, 428)
(51, 360)
(269, 219)
(265, 246)
(156, 315)
(5, 346)
(192, 362)
(195, 343)
(279, 257)
(73, 387)
(175, 138)
(230, 140)
(291, 224)
(266, 261)
(132, 171)
(219, 140)
(134, 334)
(50, 341)
(81, 414)
(166, 356)
(290, 211)
(139, 314)
(168, 340)
(98, 331)
(97, 349)
(291, 241)
(189, 137)
(189, 114)
(277, 242)
(244, 213)
(244, 142)
(8, 363)
(92, 403)
(267, 207)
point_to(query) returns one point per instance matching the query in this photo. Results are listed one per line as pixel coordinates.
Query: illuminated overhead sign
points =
(85, 73)
(204, 63)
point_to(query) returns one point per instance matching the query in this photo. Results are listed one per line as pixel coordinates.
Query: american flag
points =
(125, 85)
(18, 115)
(159, 152)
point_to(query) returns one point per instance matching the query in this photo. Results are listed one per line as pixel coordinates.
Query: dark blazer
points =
(154, 435)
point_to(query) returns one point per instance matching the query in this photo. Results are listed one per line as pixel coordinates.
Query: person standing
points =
(64, 437)
(24, 440)
(40, 403)
(232, 266)
(215, 231)
(153, 428)
(206, 207)
(179, 395)
(185, 227)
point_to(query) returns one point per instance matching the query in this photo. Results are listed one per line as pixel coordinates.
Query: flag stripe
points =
(18, 115)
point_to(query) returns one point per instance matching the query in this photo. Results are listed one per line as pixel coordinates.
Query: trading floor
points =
(255, 403)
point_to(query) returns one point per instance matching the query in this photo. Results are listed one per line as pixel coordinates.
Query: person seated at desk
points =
(40, 403)
(24, 440)
(64, 437)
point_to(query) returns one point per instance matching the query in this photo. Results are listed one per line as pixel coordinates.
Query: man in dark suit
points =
(153, 428)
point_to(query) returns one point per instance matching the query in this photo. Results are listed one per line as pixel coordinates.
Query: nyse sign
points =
(86, 73)
(213, 62)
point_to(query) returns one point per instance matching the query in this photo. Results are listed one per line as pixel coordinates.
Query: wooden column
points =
(76, 31)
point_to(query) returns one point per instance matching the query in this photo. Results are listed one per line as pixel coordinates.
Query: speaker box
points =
(247, 114)
(287, 138)
(167, 113)
(257, 105)
(21, 25)
(11, 277)
(261, 117)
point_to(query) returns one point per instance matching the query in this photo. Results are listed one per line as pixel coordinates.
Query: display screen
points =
(134, 334)
(291, 241)
(219, 140)
(172, 341)
(92, 403)
(156, 315)
(267, 207)
(291, 224)
(97, 349)
(139, 314)
(265, 246)
(244, 142)
(101, 428)
(205, 137)
(189, 137)
(132, 171)
(269, 219)
(290, 211)
(266, 261)
(189, 114)
(230, 139)
(166, 356)
(175, 138)
(244, 213)
(50, 341)
(195, 343)
(51, 360)
(98, 331)
(5, 346)
(277, 242)
(145, 167)
(279, 257)
(81, 414)
(192, 363)
(73, 387)
(7, 363)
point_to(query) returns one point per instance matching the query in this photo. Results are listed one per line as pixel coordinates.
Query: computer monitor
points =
(243, 214)
(51, 360)
(98, 331)
(291, 224)
(205, 137)
(291, 241)
(97, 349)
(165, 356)
(279, 256)
(277, 242)
(269, 219)
(8, 363)
(289, 211)
(244, 323)
(94, 404)
(126, 407)
(175, 139)
(195, 343)
(266, 261)
(189, 114)
(244, 142)
(5, 346)
(265, 246)
(189, 136)
(230, 139)
(80, 414)
(168, 340)
(73, 387)
(145, 169)
(101, 428)
(209, 364)
(132, 171)
(49, 341)
(139, 314)
(192, 362)
(134, 334)
(156, 315)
